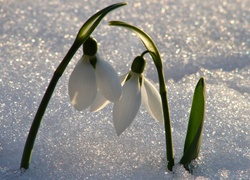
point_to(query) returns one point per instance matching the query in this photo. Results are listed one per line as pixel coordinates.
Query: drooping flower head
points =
(92, 74)
(136, 90)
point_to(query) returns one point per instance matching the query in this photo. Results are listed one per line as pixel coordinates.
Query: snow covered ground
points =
(195, 38)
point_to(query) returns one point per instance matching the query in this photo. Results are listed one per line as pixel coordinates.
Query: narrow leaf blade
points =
(195, 125)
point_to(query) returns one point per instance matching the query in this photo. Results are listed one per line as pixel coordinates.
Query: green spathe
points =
(195, 125)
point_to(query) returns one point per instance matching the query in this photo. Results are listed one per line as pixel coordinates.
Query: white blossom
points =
(90, 75)
(137, 90)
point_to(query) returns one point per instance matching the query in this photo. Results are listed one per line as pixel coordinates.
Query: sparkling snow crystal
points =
(195, 38)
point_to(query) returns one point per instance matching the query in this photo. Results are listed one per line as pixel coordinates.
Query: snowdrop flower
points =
(92, 74)
(136, 90)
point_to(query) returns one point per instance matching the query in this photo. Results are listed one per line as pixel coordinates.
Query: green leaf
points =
(195, 125)
(89, 26)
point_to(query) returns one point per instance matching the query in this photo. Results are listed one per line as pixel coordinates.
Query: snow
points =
(195, 38)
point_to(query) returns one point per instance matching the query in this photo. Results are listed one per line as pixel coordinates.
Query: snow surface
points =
(195, 38)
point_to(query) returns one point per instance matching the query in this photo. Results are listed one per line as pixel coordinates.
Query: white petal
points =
(127, 107)
(108, 81)
(82, 85)
(151, 100)
(99, 103)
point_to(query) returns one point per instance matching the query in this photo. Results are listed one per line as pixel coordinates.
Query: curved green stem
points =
(85, 31)
(145, 52)
(43, 105)
(151, 47)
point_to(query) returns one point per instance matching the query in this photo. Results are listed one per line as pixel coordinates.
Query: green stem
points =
(85, 31)
(167, 122)
(27, 153)
(152, 49)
